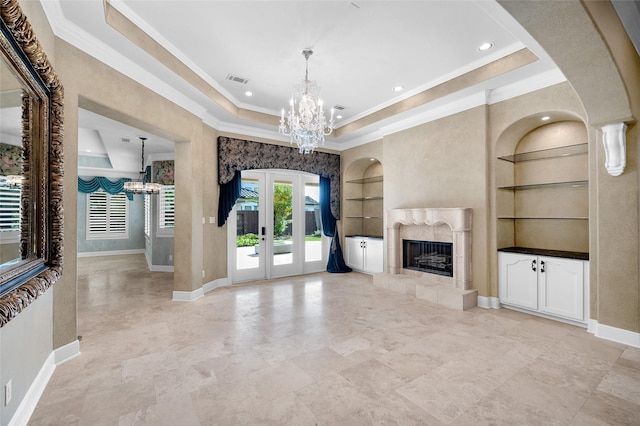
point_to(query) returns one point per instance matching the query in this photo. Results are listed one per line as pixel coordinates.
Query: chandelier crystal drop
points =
(140, 186)
(307, 126)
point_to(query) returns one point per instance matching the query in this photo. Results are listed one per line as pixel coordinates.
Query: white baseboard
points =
(161, 268)
(619, 335)
(28, 404)
(187, 296)
(212, 285)
(110, 253)
(67, 352)
(56, 357)
(488, 302)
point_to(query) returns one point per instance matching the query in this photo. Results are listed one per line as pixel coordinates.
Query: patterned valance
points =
(99, 182)
(235, 155)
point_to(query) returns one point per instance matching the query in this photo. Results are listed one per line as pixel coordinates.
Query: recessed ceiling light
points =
(545, 118)
(87, 150)
(398, 89)
(485, 46)
(248, 93)
(372, 159)
(338, 116)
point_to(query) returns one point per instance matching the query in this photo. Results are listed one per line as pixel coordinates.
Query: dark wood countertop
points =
(544, 252)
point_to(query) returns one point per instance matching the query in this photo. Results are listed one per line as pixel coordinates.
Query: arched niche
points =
(542, 174)
(363, 196)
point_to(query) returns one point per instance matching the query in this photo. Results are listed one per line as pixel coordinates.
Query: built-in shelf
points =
(542, 218)
(365, 199)
(371, 179)
(563, 151)
(574, 183)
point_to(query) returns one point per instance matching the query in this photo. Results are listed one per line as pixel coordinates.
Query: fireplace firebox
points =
(428, 256)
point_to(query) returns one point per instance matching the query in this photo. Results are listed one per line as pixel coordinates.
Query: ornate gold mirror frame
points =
(41, 218)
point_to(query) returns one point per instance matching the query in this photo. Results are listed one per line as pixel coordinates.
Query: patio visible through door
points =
(274, 228)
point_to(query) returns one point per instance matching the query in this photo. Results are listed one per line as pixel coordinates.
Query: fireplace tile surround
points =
(433, 224)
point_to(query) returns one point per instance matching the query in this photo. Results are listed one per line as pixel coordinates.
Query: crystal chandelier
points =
(307, 127)
(140, 186)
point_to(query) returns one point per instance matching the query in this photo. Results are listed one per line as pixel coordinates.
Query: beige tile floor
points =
(323, 349)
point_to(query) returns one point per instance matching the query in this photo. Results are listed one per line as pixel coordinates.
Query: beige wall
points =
(438, 164)
(600, 63)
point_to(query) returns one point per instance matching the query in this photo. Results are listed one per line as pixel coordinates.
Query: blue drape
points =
(229, 194)
(336, 262)
(97, 183)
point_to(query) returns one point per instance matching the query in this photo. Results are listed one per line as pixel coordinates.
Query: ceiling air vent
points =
(126, 140)
(237, 79)
(338, 107)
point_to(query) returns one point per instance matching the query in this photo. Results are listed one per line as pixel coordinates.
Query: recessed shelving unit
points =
(364, 201)
(543, 189)
(563, 151)
(542, 203)
(372, 179)
(574, 183)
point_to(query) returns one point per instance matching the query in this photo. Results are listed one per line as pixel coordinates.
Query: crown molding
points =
(528, 85)
(513, 48)
(80, 39)
(125, 10)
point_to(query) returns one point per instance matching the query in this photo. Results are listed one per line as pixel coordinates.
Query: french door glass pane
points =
(312, 227)
(247, 234)
(282, 222)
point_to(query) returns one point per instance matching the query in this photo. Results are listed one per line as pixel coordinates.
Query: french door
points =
(274, 228)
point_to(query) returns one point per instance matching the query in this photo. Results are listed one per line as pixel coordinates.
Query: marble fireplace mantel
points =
(456, 292)
(458, 219)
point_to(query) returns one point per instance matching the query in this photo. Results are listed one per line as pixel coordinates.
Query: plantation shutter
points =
(107, 215)
(167, 207)
(9, 206)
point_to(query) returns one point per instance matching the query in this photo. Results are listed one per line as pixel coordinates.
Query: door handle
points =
(533, 265)
(542, 266)
(263, 232)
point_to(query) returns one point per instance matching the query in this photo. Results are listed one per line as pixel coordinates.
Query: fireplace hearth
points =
(432, 257)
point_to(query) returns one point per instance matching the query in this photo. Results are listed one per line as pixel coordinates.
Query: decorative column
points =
(615, 148)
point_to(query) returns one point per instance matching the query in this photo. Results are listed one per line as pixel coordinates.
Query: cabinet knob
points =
(533, 265)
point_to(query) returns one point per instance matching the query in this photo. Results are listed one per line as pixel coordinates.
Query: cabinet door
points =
(518, 279)
(374, 256)
(561, 283)
(355, 252)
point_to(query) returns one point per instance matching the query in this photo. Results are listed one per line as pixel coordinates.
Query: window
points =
(9, 211)
(107, 216)
(166, 209)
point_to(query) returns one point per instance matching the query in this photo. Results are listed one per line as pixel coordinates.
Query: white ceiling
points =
(362, 49)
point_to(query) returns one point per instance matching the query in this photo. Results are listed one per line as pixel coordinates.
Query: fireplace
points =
(432, 257)
(446, 225)
(410, 250)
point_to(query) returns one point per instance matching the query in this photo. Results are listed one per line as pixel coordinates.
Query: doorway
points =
(274, 228)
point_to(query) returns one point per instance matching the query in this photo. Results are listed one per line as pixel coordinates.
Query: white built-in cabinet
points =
(552, 286)
(365, 254)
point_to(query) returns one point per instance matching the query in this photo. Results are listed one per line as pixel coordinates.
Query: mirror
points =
(31, 166)
(11, 167)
